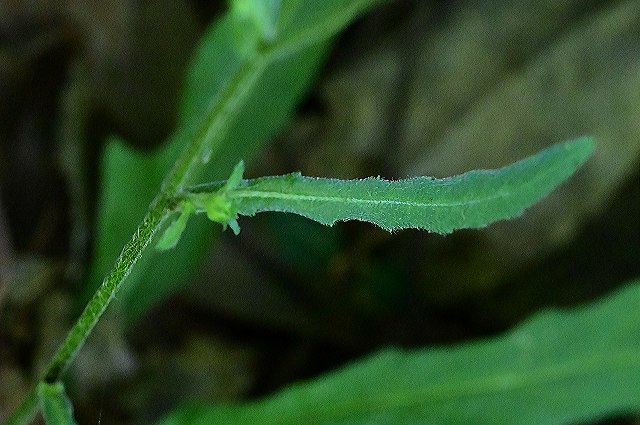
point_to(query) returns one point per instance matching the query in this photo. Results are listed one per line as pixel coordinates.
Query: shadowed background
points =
(415, 88)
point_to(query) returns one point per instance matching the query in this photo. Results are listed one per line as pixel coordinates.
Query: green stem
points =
(209, 137)
(106, 292)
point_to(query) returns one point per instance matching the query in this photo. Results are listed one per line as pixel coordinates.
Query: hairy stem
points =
(106, 292)
(209, 137)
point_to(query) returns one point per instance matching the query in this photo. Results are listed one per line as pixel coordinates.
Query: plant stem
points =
(94, 309)
(209, 137)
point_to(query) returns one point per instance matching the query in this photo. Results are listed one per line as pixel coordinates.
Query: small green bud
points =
(220, 208)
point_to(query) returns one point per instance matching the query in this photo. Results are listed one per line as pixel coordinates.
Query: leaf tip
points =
(583, 147)
(235, 178)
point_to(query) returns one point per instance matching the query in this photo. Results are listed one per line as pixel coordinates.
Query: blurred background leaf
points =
(556, 368)
(131, 179)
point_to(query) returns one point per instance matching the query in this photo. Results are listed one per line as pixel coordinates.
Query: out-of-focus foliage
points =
(220, 57)
(415, 88)
(131, 179)
(556, 368)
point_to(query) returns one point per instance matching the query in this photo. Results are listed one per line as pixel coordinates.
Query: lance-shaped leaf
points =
(56, 406)
(470, 200)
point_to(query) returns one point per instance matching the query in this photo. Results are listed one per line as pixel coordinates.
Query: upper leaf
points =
(470, 200)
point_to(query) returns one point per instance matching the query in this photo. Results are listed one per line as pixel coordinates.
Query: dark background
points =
(414, 88)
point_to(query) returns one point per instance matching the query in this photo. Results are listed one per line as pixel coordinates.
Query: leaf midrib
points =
(288, 196)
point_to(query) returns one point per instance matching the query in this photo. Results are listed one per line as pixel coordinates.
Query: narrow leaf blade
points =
(56, 406)
(173, 232)
(556, 368)
(471, 200)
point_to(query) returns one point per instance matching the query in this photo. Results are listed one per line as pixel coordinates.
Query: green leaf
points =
(174, 231)
(235, 178)
(556, 368)
(470, 200)
(56, 406)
